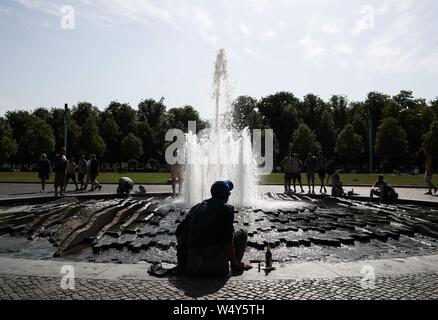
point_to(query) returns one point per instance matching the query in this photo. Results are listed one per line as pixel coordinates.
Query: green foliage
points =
(327, 134)
(391, 144)
(90, 140)
(304, 141)
(349, 147)
(430, 139)
(131, 148)
(8, 145)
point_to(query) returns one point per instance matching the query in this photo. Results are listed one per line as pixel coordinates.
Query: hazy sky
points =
(127, 50)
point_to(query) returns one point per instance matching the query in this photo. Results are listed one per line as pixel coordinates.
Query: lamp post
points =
(370, 138)
(65, 127)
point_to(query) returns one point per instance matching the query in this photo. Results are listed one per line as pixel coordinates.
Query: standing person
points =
(321, 162)
(71, 173)
(94, 173)
(175, 174)
(286, 164)
(297, 167)
(82, 171)
(44, 171)
(429, 172)
(310, 165)
(60, 165)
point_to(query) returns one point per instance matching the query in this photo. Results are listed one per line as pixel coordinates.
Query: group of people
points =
(293, 167)
(87, 171)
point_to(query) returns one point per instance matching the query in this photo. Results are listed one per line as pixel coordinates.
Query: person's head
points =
(222, 190)
(43, 156)
(427, 152)
(321, 154)
(83, 156)
(72, 159)
(295, 155)
(380, 178)
(336, 177)
(92, 156)
(62, 151)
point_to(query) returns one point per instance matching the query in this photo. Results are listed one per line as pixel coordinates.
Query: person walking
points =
(321, 163)
(44, 171)
(310, 165)
(60, 165)
(330, 169)
(94, 173)
(71, 173)
(82, 171)
(429, 172)
(286, 164)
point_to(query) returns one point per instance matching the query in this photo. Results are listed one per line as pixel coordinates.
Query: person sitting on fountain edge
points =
(206, 238)
(385, 192)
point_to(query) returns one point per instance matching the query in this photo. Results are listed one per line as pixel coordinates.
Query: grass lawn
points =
(275, 178)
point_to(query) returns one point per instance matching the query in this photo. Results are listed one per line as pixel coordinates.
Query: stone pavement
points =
(411, 278)
(24, 190)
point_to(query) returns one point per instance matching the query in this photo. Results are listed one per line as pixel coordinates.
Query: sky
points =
(63, 51)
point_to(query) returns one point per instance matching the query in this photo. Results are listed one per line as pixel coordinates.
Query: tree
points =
(245, 114)
(327, 134)
(349, 147)
(91, 141)
(124, 115)
(38, 139)
(339, 106)
(8, 145)
(279, 112)
(430, 139)
(180, 117)
(111, 135)
(131, 148)
(304, 141)
(391, 144)
(84, 111)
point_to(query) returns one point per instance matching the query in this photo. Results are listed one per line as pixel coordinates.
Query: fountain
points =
(221, 152)
(142, 228)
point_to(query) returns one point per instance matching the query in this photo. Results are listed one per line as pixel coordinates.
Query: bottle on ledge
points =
(268, 262)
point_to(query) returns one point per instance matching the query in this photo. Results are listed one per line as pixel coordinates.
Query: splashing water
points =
(220, 152)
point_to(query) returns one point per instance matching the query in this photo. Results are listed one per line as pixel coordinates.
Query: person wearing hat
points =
(207, 241)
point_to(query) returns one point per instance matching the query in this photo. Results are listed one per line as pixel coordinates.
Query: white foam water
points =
(221, 152)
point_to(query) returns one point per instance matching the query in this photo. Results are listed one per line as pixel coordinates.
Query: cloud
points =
(312, 49)
(269, 34)
(244, 29)
(47, 7)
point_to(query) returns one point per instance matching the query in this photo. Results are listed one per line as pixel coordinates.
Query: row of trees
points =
(118, 134)
(402, 127)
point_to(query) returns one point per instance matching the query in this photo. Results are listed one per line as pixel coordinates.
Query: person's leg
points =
(308, 180)
(240, 238)
(43, 184)
(313, 181)
(285, 183)
(75, 181)
(301, 185)
(294, 181)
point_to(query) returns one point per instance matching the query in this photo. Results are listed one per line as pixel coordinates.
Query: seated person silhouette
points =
(385, 192)
(207, 242)
(125, 186)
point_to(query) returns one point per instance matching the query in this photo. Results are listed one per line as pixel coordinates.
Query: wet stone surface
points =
(298, 228)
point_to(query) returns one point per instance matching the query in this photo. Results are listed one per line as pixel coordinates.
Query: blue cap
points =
(221, 189)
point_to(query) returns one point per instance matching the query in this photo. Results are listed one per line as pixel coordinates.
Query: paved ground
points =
(412, 278)
(17, 190)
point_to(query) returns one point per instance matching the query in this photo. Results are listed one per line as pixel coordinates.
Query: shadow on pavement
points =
(198, 287)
